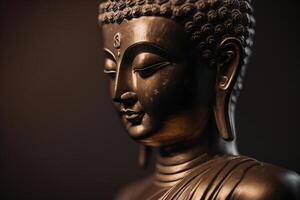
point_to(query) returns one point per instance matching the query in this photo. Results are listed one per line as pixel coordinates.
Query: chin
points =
(139, 131)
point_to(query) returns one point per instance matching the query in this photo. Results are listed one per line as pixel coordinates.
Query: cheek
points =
(112, 87)
(162, 89)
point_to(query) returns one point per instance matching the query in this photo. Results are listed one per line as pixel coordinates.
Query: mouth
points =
(134, 117)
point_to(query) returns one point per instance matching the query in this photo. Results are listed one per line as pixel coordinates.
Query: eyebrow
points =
(110, 54)
(148, 46)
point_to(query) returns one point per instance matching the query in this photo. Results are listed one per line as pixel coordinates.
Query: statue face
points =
(162, 93)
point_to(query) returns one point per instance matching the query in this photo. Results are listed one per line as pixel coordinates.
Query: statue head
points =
(176, 66)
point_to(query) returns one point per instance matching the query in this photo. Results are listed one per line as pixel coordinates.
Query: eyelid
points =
(109, 65)
(110, 54)
(156, 65)
(109, 71)
(147, 59)
(151, 69)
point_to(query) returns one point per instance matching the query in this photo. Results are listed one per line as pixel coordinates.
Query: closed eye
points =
(149, 70)
(111, 73)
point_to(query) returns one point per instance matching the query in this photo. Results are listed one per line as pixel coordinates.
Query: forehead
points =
(160, 31)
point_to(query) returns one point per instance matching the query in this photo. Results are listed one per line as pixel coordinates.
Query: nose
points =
(123, 92)
(128, 99)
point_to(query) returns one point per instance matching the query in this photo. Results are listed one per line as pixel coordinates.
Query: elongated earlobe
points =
(228, 68)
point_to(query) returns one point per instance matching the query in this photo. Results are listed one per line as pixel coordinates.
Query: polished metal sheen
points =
(176, 70)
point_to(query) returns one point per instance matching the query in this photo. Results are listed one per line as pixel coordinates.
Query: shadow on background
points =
(59, 136)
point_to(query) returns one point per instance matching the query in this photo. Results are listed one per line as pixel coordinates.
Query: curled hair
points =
(207, 22)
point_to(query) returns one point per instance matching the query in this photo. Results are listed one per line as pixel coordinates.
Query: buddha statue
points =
(175, 69)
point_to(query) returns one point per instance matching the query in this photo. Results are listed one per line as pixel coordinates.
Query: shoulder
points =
(268, 182)
(244, 178)
(127, 193)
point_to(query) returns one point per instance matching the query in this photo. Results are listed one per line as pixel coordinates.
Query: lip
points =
(135, 117)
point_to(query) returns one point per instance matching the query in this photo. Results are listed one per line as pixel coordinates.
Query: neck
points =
(175, 162)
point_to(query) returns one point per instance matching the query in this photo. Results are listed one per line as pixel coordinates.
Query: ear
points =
(230, 54)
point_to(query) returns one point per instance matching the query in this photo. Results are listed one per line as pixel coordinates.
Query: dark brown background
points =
(59, 136)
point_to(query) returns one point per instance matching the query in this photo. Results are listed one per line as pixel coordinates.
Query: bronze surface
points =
(175, 70)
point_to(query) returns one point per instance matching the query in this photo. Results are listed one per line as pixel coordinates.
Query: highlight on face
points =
(159, 89)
